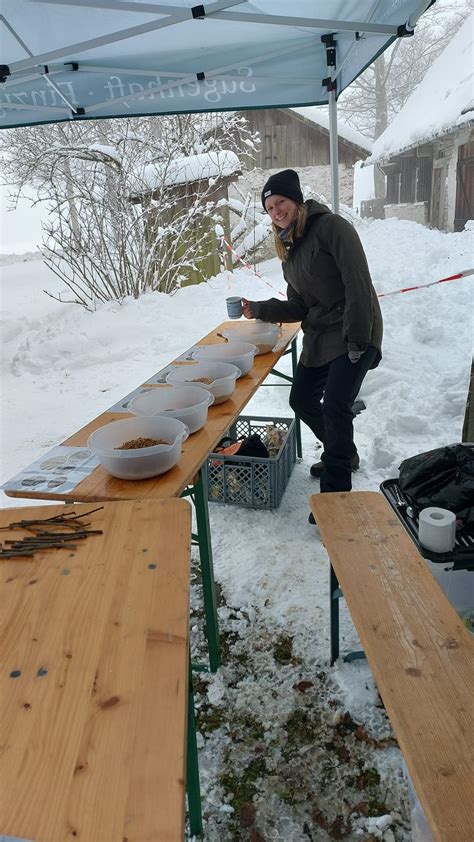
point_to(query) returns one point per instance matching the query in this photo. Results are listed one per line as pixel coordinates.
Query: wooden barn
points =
(427, 151)
(299, 137)
(177, 187)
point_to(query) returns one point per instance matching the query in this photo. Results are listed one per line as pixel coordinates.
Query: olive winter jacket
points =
(329, 290)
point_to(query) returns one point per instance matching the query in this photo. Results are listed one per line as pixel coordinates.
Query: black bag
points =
(443, 477)
(250, 446)
(253, 446)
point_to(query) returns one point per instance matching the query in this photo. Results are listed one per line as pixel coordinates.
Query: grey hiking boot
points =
(317, 469)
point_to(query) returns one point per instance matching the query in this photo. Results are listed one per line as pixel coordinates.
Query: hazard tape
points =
(248, 266)
(425, 286)
(379, 295)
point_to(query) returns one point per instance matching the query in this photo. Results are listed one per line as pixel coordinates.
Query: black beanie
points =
(284, 183)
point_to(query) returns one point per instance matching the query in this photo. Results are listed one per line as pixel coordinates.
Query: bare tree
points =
(372, 101)
(108, 234)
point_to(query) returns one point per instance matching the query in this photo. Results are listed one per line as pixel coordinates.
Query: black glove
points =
(355, 356)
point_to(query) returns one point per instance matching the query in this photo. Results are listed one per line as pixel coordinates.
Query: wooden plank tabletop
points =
(101, 486)
(418, 649)
(93, 728)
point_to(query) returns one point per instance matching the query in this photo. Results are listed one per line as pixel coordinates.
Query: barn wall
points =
(288, 140)
(434, 183)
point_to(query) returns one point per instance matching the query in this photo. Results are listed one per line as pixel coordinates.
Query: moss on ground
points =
(283, 651)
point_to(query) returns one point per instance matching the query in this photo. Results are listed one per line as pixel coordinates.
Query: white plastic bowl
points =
(222, 375)
(185, 403)
(262, 334)
(143, 462)
(241, 354)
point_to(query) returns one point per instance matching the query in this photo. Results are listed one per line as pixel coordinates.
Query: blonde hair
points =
(296, 232)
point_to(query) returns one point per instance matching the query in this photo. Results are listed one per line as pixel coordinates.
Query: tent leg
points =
(333, 151)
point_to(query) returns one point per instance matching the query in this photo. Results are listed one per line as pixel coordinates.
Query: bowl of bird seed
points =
(218, 378)
(139, 448)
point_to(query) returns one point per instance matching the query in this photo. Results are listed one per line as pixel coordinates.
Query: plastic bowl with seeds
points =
(141, 462)
(222, 378)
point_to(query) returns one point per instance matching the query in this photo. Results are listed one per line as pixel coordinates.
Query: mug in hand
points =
(234, 307)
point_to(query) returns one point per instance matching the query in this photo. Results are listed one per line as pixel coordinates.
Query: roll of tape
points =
(437, 529)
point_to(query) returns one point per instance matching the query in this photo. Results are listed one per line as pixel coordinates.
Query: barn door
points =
(275, 147)
(438, 197)
(464, 186)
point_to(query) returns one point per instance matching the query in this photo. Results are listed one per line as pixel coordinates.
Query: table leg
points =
(192, 765)
(293, 350)
(294, 363)
(207, 569)
(334, 596)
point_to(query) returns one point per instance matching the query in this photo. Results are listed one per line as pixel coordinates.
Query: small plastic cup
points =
(234, 307)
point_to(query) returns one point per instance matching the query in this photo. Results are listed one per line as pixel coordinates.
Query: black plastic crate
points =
(255, 482)
(463, 553)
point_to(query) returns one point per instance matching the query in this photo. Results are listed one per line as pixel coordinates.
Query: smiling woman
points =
(330, 291)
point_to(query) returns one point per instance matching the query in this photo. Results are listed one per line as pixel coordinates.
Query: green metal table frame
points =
(293, 350)
(335, 594)
(202, 538)
(193, 789)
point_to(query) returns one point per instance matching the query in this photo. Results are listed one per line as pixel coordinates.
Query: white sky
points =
(20, 229)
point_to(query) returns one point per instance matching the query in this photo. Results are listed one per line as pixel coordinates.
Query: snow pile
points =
(208, 165)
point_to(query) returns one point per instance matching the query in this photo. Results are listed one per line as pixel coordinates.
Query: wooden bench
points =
(419, 651)
(97, 728)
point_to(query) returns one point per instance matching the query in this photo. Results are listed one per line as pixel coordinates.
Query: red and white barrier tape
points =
(248, 266)
(379, 295)
(425, 286)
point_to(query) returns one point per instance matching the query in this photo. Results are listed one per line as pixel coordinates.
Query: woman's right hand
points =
(247, 308)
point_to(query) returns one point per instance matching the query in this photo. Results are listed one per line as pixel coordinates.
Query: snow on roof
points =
(441, 102)
(320, 115)
(189, 169)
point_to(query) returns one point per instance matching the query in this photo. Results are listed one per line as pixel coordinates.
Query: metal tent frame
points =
(95, 59)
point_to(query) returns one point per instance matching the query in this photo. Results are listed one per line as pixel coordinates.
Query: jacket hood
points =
(316, 208)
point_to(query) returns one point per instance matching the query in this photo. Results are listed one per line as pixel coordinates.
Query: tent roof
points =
(441, 102)
(88, 59)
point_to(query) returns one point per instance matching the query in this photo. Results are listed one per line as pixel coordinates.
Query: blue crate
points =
(255, 482)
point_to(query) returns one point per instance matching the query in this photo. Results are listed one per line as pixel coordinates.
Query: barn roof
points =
(440, 104)
(320, 116)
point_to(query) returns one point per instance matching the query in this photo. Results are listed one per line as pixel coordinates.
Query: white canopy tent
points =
(89, 59)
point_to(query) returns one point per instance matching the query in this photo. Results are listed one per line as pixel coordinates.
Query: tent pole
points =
(333, 151)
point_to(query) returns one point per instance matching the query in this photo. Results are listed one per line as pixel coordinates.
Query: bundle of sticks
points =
(60, 531)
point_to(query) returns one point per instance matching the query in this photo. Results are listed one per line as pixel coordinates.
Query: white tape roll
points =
(437, 529)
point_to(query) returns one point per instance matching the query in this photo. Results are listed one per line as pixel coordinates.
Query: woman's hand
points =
(247, 308)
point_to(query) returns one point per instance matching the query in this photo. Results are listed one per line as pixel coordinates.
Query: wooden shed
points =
(427, 151)
(436, 181)
(185, 184)
(299, 137)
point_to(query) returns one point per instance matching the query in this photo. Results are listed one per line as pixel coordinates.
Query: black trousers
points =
(336, 385)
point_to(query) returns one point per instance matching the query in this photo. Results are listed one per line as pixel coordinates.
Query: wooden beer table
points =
(94, 679)
(189, 476)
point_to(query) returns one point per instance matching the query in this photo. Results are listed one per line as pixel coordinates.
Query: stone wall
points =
(416, 212)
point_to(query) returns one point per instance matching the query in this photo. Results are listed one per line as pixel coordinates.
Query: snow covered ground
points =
(290, 749)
